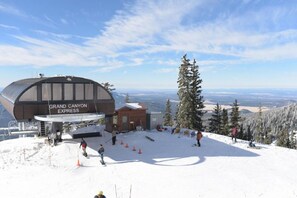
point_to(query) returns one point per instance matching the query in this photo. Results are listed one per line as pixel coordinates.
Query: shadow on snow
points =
(166, 150)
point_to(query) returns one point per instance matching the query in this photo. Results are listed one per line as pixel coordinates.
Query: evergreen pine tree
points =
(184, 105)
(108, 86)
(241, 133)
(259, 127)
(283, 138)
(168, 117)
(215, 120)
(268, 136)
(176, 115)
(225, 122)
(293, 140)
(127, 98)
(197, 102)
(249, 133)
(235, 115)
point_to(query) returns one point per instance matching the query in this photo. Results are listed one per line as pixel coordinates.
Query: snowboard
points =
(85, 154)
(102, 162)
(254, 147)
(149, 138)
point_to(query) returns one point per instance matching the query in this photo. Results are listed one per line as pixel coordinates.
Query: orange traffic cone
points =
(134, 149)
(78, 164)
(126, 146)
(139, 151)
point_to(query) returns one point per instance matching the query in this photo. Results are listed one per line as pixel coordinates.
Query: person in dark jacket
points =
(199, 136)
(101, 153)
(83, 145)
(100, 195)
(114, 137)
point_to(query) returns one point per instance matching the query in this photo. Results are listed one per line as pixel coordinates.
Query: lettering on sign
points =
(67, 108)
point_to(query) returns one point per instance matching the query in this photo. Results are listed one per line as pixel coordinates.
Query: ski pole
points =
(130, 190)
(115, 189)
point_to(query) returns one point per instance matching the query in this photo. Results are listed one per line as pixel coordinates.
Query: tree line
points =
(268, 127)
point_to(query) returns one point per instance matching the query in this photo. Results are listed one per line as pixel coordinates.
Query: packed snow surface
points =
(169, 167)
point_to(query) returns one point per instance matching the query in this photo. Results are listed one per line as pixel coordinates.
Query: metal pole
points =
(115, 188)
(130, 190)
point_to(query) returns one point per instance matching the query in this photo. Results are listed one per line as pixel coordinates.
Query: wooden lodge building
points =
(130, 117)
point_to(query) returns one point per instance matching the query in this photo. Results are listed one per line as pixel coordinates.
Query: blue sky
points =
(139, 44)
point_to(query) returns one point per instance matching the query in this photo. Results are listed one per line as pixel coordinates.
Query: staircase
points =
(42, 128)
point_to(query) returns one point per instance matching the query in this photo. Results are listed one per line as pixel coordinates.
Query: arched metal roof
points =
(15, 89)
(26, 109)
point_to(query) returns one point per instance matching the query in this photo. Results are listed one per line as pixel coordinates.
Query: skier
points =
(100, 195)
(59, 135)
(83, 144)
(251, 144)
(101, 153)
(54, 138)
(114, 137)
(199, 136)
(234, 133)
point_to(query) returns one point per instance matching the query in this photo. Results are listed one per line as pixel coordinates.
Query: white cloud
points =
(145, 29)
(8, 27)
(141, 25)
(137, 61)
(11, 10)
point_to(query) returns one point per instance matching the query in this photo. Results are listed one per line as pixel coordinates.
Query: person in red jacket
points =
(83, 144)
(234, 133)
(199, 136)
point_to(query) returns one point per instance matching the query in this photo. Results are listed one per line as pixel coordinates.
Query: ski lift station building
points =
(58, 99)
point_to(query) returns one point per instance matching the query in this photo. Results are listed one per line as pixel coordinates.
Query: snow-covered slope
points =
(167, 167)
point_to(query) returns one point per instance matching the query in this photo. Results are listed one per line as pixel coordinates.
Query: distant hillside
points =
(155, 100)
(273, 122)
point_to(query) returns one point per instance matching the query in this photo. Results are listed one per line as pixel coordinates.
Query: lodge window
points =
(89, 91)
(57, 91)
(79, 91)
(102, 94)
(46, 91)
(29, 95)
(68, 91)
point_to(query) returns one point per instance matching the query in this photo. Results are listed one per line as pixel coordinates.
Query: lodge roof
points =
(133, 106)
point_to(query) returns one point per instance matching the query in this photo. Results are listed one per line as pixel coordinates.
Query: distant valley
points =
(269, 98)
(155, 100)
